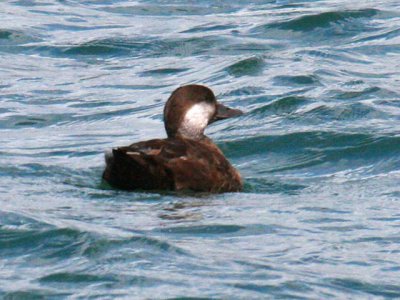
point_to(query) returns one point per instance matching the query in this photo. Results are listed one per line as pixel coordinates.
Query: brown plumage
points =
(187, 159)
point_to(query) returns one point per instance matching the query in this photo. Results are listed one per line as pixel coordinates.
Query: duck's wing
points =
(138, 167)
(203, 167)
(172, 164)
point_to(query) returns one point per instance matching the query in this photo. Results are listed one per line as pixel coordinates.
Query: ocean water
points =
(318, 148)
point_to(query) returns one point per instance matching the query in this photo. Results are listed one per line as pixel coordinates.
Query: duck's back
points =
(172, 164)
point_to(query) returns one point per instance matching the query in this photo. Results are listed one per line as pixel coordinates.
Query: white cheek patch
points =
(196, 119)
(199, 114)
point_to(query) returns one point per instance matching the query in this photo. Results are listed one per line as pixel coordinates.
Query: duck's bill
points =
(224, 112)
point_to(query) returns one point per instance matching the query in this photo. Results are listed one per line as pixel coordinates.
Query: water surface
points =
(318, 147)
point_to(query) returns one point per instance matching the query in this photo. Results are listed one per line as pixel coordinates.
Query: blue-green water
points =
(318, 147)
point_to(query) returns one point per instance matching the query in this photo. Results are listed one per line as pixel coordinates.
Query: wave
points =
(195, 9)
(15, 37)
(249, 66)
(324, 27)
(128, 47)
(363, 287)
(325, 19)
(332, 151)
(280, 106)
(46, 243)
(348, 112)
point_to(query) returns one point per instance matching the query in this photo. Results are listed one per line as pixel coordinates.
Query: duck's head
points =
(191, 108)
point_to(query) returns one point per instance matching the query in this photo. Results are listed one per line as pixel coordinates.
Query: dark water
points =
(319, 148)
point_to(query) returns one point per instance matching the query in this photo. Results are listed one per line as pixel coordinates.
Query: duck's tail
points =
(120, 170)
(131, 170)
(109, 157)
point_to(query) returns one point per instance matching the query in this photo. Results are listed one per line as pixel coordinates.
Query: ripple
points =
(53, 173)
(209, 27)
(303, 140)
(335, 56)
(77, 280)
(48, 244)
(246, 67)
(154, 245)
(288, 289)
(341, 228)
(284, 105)
(204, 230)
(270, 186)
(325, 19)
(245, 91)
(350, 112)
(383, 290)
(14, 38)
(56, 27)
(37, 121)
(127, 47)
(74, 278)
(163, 71)
(34, 294)
(358, 94)
(170, 9)
(385, 36)
(299, 79)
(318, 148)
(4, 34)
(326, 27)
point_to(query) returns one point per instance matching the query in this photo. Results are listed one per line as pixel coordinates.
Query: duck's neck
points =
(192, 133)
(192, 136)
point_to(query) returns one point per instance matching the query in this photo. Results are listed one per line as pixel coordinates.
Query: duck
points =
(187, 159)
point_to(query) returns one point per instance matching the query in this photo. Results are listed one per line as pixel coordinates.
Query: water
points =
(318, 147)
